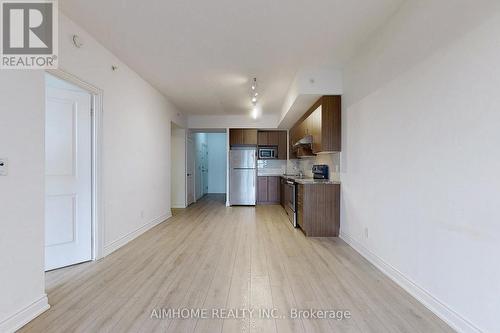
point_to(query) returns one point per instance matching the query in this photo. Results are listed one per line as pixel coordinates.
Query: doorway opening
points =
(180, 197)
(209, 148)
(72, 172)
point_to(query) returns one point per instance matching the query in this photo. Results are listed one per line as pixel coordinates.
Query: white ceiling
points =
(202, 54)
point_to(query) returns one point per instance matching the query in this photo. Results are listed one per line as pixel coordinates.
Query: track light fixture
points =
(253, 98)
(255, 113)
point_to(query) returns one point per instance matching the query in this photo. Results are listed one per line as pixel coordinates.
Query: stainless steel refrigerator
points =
(242, 177)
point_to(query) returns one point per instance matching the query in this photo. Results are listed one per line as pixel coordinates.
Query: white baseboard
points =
(25, 315)
(115, 245)
(456, 321)
(178, 206)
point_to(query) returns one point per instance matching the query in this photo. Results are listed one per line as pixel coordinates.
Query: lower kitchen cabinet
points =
(318, 209)
(262, 189)
(300, 206)
(268, 189)
(273, 189)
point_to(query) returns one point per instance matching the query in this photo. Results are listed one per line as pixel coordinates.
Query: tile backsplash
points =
(271, 166)
(304, 165)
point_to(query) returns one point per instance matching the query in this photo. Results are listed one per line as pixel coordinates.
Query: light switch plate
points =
(4, 166)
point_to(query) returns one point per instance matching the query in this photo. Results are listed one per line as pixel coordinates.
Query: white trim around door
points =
(97, 129)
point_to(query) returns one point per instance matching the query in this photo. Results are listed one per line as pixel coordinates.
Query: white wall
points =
(233, 121)
(22, 105)
(136, 139)
(178, 151)
(217, 161)
(307, 87)
(136, 163)
(420, 160)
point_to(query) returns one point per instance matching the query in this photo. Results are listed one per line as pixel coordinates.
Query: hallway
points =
(210, 256)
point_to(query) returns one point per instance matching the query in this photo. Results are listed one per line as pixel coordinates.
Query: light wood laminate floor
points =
(209, 256)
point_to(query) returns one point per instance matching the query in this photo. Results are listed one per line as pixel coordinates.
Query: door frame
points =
(96, 147)
(189, 146)
(204, 175)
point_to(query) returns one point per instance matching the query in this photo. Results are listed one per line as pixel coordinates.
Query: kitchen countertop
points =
(311, 181)
(268, 174)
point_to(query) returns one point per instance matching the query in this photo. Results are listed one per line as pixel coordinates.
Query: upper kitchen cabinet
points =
(242, 136)
(282, 145)
(331, 125)
(262, 138)
(268, 138)
(293, 134)
(316, 129)
(322, 122)
(275, 139)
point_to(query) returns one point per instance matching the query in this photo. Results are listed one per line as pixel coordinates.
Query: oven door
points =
(290, 202)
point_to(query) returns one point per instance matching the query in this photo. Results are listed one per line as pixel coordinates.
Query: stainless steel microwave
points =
(266, 153)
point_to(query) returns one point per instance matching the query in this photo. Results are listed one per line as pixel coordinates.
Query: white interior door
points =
(204, 168)
(190, 172)
(198, 177)
(68, 172)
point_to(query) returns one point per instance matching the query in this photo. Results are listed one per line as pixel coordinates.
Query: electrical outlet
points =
(142, 214)
(366, 232)
(4, 166)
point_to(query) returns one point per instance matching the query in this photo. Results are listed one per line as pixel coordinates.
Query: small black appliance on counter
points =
(320, 171)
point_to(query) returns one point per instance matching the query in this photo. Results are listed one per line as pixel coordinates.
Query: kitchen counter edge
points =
(310, 181)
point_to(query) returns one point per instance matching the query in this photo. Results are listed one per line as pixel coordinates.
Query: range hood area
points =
(304, 147)
(307, 140)
(318, 130)
(312, 112)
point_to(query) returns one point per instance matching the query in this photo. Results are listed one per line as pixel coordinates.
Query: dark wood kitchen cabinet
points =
(293, 137)
(273, 189)
(282, 145)
(331, 126)
(323, 122)
(262, 189)
(318, 209)
(262, 138)
(268, 138)
(300, 206)
(268, 189)
(242, 137)
(275, 139)
(316, 130)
